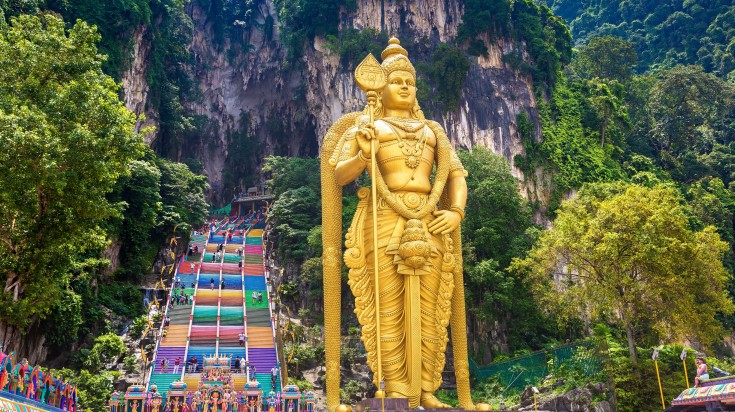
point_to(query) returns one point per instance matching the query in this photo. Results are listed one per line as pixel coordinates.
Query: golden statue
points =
(417, 222)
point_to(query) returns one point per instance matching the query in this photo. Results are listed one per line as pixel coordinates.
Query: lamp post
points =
(658, 376)
(683, 358)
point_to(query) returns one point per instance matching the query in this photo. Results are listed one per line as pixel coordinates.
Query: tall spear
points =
(370, 76)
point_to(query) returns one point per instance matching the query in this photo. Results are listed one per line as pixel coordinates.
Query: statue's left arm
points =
(446, 221)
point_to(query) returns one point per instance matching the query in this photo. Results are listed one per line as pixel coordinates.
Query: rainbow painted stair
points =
(230, 298)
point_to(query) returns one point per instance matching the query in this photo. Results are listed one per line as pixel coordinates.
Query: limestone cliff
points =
(135, 86)
(246, 86)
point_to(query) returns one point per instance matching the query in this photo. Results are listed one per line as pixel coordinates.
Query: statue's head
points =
(400, 89)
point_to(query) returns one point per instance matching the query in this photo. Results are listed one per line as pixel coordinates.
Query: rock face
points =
(579, 399)
(135, 86)
(246, 85)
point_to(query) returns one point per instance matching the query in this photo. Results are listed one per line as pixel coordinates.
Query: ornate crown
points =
(395, 57)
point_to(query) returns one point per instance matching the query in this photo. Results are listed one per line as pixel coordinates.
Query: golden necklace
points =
(410, 146)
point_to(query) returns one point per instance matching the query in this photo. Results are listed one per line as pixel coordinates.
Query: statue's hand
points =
(446, 221)
(364, 135)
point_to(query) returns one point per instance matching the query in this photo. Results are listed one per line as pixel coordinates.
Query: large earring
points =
(416, 111)
(378, 113)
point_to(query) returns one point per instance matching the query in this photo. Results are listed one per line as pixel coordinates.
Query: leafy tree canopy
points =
(498, 227)
(67, 138)
(690, 111)
(663, 33)
(626, 253)
(607, 57)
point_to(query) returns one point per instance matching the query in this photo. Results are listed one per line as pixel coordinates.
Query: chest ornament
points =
(411, 144)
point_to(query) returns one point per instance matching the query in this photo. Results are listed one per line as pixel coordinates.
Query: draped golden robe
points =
(441, 303)
(412, 344)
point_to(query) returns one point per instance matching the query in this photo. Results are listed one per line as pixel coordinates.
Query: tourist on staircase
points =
(274, 376)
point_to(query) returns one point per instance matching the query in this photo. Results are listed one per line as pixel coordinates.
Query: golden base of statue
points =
(394, 405)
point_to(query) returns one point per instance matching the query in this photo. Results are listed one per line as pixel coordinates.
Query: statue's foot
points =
(429, 401)
(483, 407)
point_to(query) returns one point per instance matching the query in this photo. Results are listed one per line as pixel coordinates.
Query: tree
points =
(498, 227)
(484, 16)
(140, 193)
(447, 71)
(690, 110)
(626, 253)
(496, 213)
(66, 139)
(296, 210)
(291, 173)
(183, 197)
(107, 349)
(607, 57)
(604, 97)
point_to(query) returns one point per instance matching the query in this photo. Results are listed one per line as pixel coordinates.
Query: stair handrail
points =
(244, 297)
(271, 307)
(193, 305)
(219, 296)
(163, 321)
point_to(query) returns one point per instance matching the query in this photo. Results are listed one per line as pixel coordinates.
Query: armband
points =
(362, 157)
(458, 210)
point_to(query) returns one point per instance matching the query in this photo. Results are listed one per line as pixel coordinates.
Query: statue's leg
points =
(432, 336)
(392, 291)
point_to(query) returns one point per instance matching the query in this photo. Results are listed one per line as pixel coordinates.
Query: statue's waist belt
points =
(411, 200)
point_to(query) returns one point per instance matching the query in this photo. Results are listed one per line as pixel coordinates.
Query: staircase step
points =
(163, 381)
(186, 268)
(250, 304)
(175, 335)
(259, 317)
(265, 381)
(231, 268)
(255, 282)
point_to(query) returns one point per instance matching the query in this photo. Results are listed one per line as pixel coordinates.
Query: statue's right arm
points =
(351, 163)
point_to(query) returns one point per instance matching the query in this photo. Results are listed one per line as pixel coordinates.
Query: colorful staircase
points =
(260, 327)
(223, 308)
(174, 344)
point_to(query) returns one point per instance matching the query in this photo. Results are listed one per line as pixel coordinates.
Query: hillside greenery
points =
(545, 36)
(663, 33)
(54, 152)
(77, 180)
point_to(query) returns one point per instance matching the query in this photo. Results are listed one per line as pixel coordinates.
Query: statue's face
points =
(400, 92)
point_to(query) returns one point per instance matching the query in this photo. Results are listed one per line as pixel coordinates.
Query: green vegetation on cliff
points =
(544, 36)
(76, 180)
(663, 33)
(60, 161)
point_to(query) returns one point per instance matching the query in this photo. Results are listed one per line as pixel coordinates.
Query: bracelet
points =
(362, 157)
(458, 210)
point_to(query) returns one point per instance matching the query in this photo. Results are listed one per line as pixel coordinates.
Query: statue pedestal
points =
(393, 405)
(376, 405)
